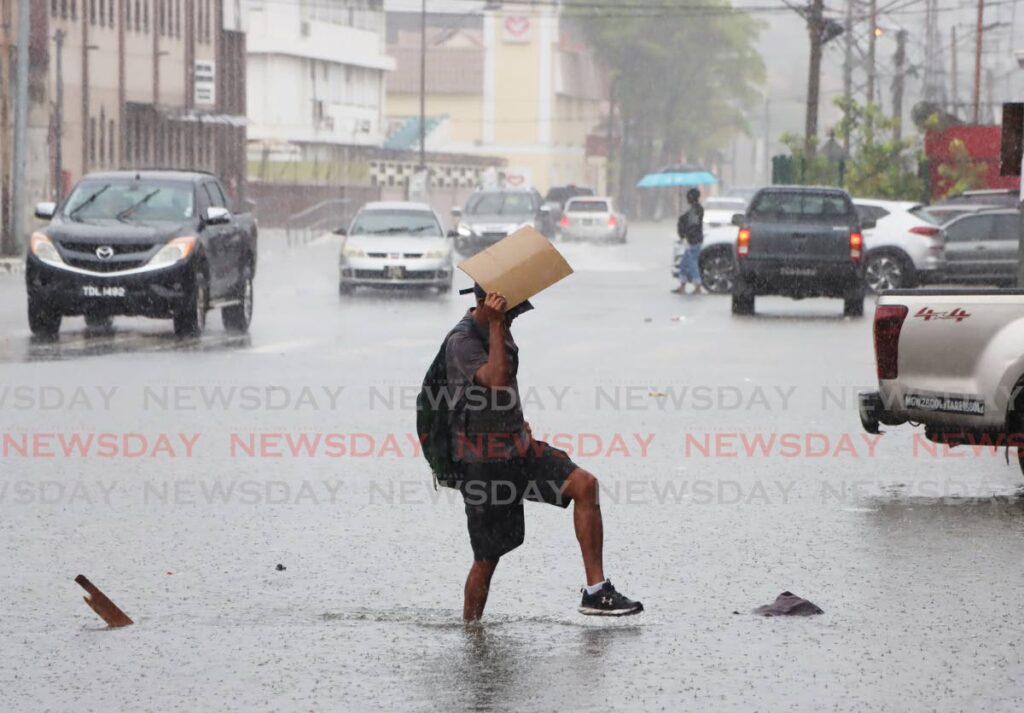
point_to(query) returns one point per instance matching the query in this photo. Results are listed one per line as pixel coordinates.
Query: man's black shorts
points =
(494, 494)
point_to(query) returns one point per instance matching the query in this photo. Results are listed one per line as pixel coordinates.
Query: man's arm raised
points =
(494, 374)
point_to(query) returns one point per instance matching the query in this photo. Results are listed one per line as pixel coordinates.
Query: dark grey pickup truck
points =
(799, 241)
(149, 243)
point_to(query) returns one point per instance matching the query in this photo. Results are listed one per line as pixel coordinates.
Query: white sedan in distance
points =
(395, 244)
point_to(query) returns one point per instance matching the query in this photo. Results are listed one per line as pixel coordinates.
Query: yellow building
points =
(516, 83)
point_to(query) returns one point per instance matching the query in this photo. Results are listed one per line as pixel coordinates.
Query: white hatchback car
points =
(395, 244)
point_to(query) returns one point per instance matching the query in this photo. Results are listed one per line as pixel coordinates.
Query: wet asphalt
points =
(732, 463)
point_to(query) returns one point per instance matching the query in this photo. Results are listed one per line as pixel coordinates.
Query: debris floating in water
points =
(789, 604)
(280, 568)
(101, 604)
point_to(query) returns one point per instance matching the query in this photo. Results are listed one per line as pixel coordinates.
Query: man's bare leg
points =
(478, 584)
(583, 488)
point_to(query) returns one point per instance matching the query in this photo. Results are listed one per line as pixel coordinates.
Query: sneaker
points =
(608, 602)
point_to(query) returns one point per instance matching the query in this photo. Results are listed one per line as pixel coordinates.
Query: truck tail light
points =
(856, 245)
(564, 221)
(743, 242)
(612, 221)
(888, 323)
(927, 230)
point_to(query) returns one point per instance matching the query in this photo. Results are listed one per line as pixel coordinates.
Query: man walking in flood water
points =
(501, 465)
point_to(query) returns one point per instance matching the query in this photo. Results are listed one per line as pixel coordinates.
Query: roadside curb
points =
(12, 266)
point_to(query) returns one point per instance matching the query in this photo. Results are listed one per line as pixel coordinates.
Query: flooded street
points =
(178, 474)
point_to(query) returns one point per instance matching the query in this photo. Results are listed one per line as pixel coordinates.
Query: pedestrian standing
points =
(690, 228)
(501, 465)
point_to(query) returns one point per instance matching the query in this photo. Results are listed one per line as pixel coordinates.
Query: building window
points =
(199, 20)
(74, 9)
(103, 12)
(110, 13)
(112, 143)
(128, 15)
(92, 11)
(177, 18)
(145, 15)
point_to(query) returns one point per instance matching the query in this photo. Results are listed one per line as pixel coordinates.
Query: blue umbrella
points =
(672, 178)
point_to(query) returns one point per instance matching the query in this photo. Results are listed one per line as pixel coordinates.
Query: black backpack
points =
(434, 419)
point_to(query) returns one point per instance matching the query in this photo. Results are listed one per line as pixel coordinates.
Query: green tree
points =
(684, 81)
(878, 166)
(962, 172)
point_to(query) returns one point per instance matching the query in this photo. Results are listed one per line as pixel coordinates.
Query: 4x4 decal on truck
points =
(957, 313)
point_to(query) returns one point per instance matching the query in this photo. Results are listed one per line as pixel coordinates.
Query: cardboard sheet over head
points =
(518, 266)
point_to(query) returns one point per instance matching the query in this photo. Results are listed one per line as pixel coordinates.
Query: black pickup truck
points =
(799, 241)
(148, 243)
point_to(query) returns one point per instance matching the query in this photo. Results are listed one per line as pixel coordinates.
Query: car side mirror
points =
(46, 210)
(340, 231)
(453, 234)
(738, 219)
(868, 223)
(456, 212)
(216, 215)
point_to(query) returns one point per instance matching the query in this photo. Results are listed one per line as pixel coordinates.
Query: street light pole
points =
(13, 242)
(423, 85)
(58, 139)
(815, 21)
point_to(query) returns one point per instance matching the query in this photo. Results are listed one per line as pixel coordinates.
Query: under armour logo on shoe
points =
(607, 601)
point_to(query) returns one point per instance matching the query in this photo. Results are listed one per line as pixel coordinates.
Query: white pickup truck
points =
(951, 360)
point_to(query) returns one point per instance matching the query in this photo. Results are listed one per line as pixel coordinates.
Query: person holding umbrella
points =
(690, 228)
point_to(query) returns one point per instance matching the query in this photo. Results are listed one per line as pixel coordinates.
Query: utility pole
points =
(900, 62)
(872, 41)
(423, 85)
(58, 134)
(13, 245)
(815, 28)
(955, 78)
(978, 42)
(847, 70)
(609, 137)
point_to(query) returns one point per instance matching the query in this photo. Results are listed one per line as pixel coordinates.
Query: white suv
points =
(904, 249)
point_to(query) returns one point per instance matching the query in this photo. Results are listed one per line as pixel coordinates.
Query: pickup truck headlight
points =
(174, 251)
(435, 254)
(353, 252)
(44, 249)
(464, 230)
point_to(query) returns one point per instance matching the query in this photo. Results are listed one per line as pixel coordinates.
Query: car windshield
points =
(578, 206)
(397, 222)
(800, 205)
(728, 204)
(501, 204)
(130, 201)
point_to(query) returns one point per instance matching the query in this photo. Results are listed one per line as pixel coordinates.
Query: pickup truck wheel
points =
(743, 304)
(237, 318)
(853, 307)
(99, 321)
(43, 321)
(190, 320)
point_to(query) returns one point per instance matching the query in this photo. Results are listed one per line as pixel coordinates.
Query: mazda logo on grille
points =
(104, 252)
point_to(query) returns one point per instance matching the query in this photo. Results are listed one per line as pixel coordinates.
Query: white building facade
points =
(316, 86)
